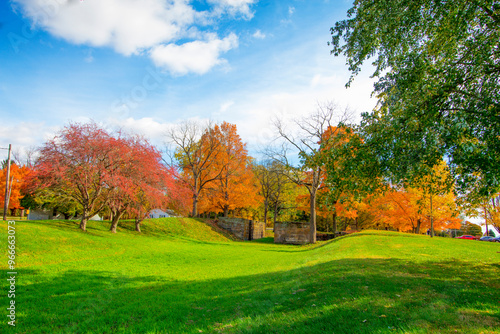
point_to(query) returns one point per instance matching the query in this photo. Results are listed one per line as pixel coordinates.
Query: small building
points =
(159, 213)
(295, 233)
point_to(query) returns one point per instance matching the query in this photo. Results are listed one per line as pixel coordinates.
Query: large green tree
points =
(438, 68)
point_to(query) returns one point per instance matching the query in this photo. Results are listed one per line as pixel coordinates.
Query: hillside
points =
(182, 276)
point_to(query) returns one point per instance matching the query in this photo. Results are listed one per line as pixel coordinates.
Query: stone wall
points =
(291, 233)
(243, 229)
(38, 214)
(259, 230)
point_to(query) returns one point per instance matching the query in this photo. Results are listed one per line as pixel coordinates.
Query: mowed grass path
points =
(183, 276)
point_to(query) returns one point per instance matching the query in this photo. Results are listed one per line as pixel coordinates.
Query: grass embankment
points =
(182, 276)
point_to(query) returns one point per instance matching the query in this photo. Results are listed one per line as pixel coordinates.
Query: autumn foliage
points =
(86, 164)
(18, 176)
(234, 186)
(214, 164)
(88, 170)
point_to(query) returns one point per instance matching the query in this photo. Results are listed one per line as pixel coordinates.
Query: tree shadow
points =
(340, 296)
(65, 225)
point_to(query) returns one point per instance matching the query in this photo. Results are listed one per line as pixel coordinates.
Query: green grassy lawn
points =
(183, 276)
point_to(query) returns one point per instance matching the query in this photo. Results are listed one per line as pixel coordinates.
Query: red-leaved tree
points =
(86, 164)
(78, 164)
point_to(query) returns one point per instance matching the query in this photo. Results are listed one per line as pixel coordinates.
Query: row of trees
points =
(313, 168)
(85, 170)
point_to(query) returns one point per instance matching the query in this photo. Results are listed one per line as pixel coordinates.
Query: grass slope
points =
(182, 276)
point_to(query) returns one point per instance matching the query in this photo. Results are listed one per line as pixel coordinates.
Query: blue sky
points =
(146, 65)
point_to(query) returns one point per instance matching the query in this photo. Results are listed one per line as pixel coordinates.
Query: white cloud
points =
(224, 107)
(153, 130)
(89, 58)
(198, 56)
(258, 34)
(128, 26)
(288, 20)
(321, 80)
(253, 113)
(147, 126)
(24, 136)
(236, 6)
(140, 26)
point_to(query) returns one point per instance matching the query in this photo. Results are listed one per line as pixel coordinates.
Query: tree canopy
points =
(438, 68)
(86, 165)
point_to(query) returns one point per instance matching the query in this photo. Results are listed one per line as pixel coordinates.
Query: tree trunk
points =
(486, 220)
(195, 195)
(195, 205)
(312, 217)
(265, 211)
(138, 225)
(114, 222)
(275, 218)
(226, 211)
(417, 230)
(432, 220)
(334, 227)
(83, 223)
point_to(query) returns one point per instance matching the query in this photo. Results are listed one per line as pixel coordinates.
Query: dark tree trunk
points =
(195, 206)
(114, 224)
(265, 211)
(312, 217)
(334, 228)
(115, 220)
(226, 211)
(83, 223)
(138, 225)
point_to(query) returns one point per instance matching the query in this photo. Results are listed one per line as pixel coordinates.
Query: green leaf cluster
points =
(438, 69)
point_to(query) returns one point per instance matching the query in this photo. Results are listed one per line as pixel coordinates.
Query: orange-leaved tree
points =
(235, 185)
(17, 179)
(195, 157)
(409, 210)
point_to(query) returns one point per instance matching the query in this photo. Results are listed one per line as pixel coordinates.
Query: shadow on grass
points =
(266, 240)
(341, 296)
(66, 225)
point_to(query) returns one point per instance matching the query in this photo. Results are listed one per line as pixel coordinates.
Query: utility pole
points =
(7, 197)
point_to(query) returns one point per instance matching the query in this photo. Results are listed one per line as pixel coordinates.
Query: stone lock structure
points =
(243, 229)
(295, 233)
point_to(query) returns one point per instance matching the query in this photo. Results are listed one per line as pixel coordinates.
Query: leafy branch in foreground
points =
(438, 70)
